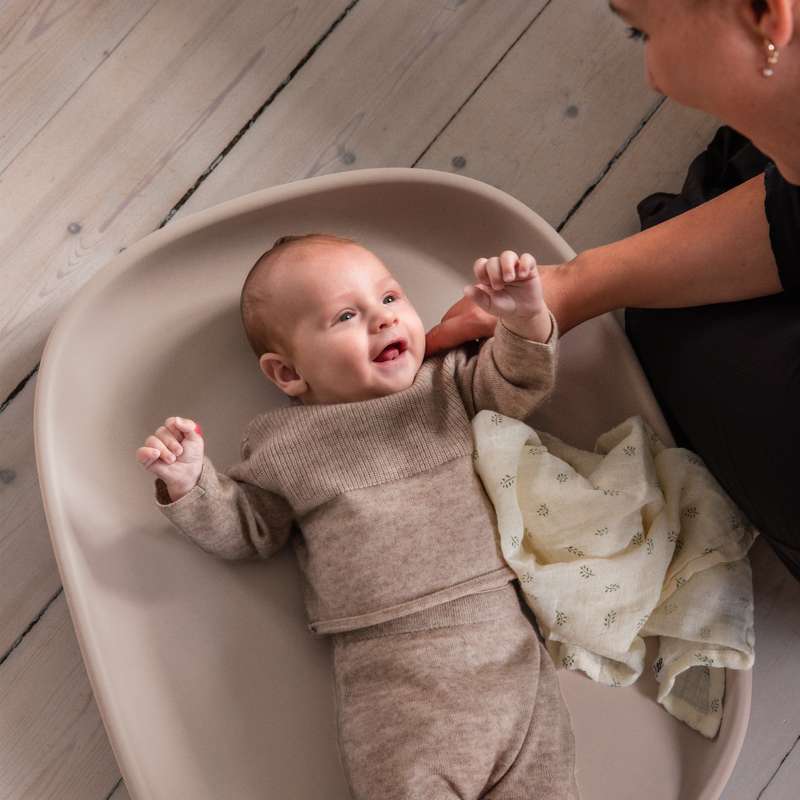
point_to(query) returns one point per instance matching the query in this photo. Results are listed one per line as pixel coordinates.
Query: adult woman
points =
(712, 296)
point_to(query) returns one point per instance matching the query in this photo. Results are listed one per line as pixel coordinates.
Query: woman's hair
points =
(256, 297)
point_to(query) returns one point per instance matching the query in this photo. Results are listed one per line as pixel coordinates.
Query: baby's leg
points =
(436, 713)
(544, 767)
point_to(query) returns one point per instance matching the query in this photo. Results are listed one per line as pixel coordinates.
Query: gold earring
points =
(772, 58)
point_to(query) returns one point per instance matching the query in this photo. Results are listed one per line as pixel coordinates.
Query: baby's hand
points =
(508, 287)
(175, 454)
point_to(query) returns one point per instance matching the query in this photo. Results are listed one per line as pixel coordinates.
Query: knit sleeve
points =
(227, 516)
(509, 374)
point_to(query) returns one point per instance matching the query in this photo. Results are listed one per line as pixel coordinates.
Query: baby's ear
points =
(282, 373)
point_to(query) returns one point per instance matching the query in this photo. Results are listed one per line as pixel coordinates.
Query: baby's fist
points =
(508, 287)
(174, 454)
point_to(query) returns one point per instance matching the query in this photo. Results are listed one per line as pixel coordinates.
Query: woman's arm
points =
(716, 252)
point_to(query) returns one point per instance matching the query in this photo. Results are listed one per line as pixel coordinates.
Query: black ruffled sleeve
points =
(782, 206)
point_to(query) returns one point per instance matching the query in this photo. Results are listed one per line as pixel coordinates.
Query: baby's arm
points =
(514, 371)
(225, 514)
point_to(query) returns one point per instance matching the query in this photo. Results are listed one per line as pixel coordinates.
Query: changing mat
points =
(206, 677)
(635, 539)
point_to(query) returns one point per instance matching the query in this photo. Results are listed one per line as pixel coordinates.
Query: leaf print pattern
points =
(703, 659)
(507, 480)
(601, 531)
(527, 578)
(714, 704)
(496, 419)
(610, 619)
(586, 572)
(705, 632)
(543, 510)
(576, 551)
(561, 477)
(611, 587)
(568, 661)
(638, 538)
(640, 623)
(515, 541)
(690, 512)
(680, 581)
(474, 455)
(657, 666)
(561, 618)
(630, 450)
(651, 545)
(672, 536)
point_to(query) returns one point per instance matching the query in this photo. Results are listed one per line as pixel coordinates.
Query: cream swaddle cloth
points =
(632, 540)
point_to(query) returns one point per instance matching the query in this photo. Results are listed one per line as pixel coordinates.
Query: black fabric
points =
(727, 375)
(782, 205)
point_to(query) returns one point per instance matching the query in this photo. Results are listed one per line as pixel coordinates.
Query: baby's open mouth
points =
(392, 350)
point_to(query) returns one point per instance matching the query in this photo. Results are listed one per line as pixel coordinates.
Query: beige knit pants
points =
(459, 701)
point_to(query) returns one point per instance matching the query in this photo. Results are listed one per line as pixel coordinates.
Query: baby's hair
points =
(255, 300)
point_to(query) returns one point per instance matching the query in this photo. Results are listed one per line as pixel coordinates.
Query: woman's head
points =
(318, 311)
(710, 55)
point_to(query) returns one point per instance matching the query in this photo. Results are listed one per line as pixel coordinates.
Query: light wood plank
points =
(47, 50)
(775, 712)
(656, 161)
(53, 745)
(514, 132)
(28, 573)
(784, 786)
(109, 165)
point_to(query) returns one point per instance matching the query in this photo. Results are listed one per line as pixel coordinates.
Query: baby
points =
(443, 689)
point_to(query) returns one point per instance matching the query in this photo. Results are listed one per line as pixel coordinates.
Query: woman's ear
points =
(776, 20)
(283, 374)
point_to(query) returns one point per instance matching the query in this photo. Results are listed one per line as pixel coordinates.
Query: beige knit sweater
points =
(386, 513)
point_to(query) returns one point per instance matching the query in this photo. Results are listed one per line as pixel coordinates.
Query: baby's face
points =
(342, 308)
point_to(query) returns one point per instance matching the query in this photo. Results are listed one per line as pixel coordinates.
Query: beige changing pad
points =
(207, 680)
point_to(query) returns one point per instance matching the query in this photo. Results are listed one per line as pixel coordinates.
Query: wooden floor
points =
(118, 116)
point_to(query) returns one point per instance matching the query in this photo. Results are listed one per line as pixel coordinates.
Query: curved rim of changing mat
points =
(63, 547)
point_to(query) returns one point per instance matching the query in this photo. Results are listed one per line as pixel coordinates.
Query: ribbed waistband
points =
(479, 607)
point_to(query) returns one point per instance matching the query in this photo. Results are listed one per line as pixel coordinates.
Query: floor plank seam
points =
(461, 161)
(611, 163)
(27, 630)
(215, 163)
(116, 786)
(19, 387)
(778, 768)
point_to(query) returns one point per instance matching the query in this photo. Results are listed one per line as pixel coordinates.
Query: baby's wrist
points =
(178, 490)
(538, 328)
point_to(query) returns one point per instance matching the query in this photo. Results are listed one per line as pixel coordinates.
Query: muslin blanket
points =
(632, 540)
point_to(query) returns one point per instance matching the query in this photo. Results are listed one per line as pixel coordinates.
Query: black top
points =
(730, 159)
(782, 205)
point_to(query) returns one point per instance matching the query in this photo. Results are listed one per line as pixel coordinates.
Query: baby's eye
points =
(343, 315)
(635, 33)
(390, 295)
